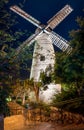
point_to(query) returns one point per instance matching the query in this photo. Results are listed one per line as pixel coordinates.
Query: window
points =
(42, 58)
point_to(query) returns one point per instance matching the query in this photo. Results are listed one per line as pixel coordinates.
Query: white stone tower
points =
(43, 56)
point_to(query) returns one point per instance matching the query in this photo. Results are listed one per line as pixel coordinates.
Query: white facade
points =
(48, 94)
(43, 56)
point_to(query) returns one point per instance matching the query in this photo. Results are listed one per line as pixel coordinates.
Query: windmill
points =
(45, 37)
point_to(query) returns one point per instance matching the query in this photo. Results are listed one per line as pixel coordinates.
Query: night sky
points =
(43, 10)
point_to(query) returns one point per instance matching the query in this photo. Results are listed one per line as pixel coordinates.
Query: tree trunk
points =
(36, 89)
(23, 99)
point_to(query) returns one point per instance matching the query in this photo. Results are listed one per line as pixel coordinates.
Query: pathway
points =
(49, 126)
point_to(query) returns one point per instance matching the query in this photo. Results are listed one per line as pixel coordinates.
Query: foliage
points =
(47, 76)
(19, 88)
(35, 86)
(8, 21)
(69, 70)
(9, 40)
(4, 92)
(43, 106)
(68, 92)
(23, 88)
(8, 37)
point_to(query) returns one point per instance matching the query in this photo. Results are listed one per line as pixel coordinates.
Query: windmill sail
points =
(28, 42)
(60, 42)
(60, 16)
(26, 16)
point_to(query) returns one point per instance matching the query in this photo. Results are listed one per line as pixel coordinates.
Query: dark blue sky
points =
(43, 10)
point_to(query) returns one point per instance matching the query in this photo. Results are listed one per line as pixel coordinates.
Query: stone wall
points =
(15, 109)
(54, 115)
(58, 115)
(13, 122)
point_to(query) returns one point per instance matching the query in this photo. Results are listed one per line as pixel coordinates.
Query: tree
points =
(46, 76)
(70, 68)
(9, 40)
(69, 71)
(35, 86)
(21, 90)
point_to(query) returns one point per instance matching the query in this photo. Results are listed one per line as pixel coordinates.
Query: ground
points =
(49, 126)
(18, 123)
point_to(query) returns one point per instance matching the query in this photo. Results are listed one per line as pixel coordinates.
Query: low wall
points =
(13, 122)
(66, 117)
(15, 109)
(39, 115)
(54, 115)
